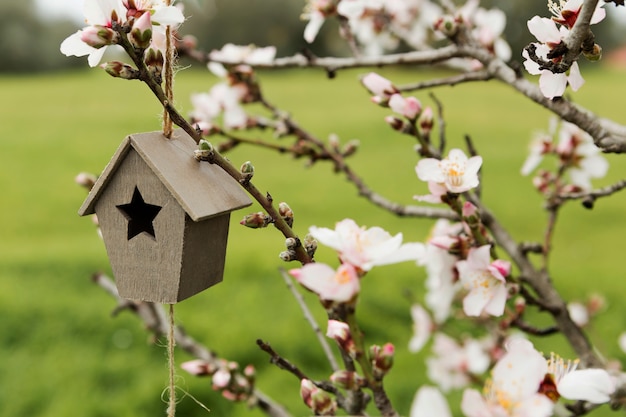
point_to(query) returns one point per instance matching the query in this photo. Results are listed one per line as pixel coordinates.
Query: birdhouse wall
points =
(204, 254)
(146, 267)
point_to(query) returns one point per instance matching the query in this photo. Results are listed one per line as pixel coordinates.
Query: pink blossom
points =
(428, 402)
(540, 145)
(453, 364)
(513, 387)
(409, 107)
(365, 248)
(583, 158)
(549, 35)
(249, 54)
(340, 286)
(566, 12)
(593, 385)
(578, 313)
(456, 172)
(422, 328)
(316, 12)
(485, 282)
(98, 14)
(436, 192)
(441, 282)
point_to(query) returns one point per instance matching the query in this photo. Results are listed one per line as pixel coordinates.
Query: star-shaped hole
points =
(140, 215)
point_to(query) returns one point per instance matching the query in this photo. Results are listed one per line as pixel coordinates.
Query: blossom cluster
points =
(146, 21)
(553, 33)
(575, 153)
(376, 24)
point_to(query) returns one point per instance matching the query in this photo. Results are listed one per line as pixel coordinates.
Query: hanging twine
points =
(169, 78)
(171, 343)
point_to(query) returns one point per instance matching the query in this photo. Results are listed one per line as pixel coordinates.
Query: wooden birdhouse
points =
(164, 217)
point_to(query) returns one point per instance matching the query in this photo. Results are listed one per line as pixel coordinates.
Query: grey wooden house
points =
(164, 217)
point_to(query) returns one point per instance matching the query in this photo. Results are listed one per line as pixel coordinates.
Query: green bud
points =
(255, 220)
(595, 54)
(247, 169)
(120, 70)
(205, 150)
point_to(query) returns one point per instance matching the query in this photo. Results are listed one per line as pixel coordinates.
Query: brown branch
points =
(451, 81)
(332, 64)
(591, 196)
(155, 320)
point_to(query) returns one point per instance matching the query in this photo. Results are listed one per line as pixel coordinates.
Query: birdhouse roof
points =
(202, 189)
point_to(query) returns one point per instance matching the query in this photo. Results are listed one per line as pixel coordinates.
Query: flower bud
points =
(154, 60)
(98, 36)
(340, 331)
(350, 148)
(221, 379)
(120, 70)
(382, 359)
(288, 255)
(319, 401)
(255, 220)
(205, 150)
(196, 367)
(86, 180)
(286, 213)
(595, 54)
(310, 245)
(345, 379)
(247, 168)
(425, 121)
(447, 25)
(291, 243)
(395, 123)
(141, 33)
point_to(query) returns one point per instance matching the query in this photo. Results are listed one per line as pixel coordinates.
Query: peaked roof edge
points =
(240, 199)
(89, 204)
(169, 158)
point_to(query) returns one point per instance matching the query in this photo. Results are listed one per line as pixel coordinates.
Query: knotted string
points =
(169, 78)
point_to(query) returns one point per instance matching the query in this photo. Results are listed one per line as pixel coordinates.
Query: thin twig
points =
(312, 322)
(481, 75)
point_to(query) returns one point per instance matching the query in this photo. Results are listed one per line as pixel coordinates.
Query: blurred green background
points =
(62, 354)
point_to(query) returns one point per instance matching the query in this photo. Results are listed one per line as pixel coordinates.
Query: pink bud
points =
(379, 86)
(196, 367)
(221, 379)
(86, 180)
(340, 331)
(426, 120)
(97, 36)
(504, 267)
(382, 359)
(141, 33)
(409, 107)
(469, 209)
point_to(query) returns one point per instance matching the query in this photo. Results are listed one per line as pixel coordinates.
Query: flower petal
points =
(429, 402)
(593, 385)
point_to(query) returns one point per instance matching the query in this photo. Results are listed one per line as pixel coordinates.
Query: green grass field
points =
(61, 353)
